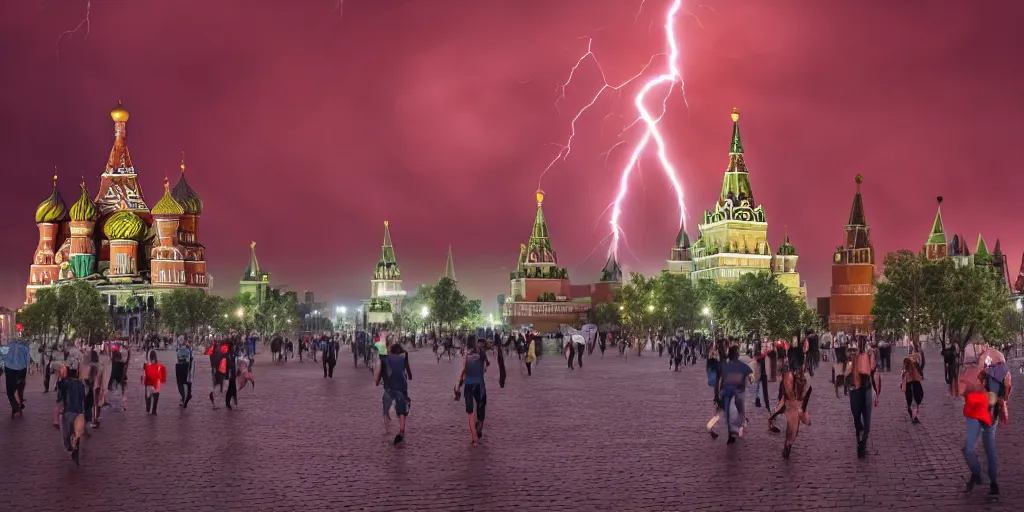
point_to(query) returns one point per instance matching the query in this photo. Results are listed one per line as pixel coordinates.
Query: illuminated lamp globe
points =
(119, 114)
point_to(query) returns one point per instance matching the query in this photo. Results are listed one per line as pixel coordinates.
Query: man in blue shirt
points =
(732, 386)
(16, 369)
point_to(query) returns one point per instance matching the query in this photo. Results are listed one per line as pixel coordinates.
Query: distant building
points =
(853, 274)
(255, 281)
(733, 237)
(386, 292)
(114, 240)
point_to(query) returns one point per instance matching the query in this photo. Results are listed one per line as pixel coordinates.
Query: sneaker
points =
(732, 439)
(398, 440)
(993, 490)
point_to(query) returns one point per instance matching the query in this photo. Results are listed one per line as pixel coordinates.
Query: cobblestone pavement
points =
(616, 435)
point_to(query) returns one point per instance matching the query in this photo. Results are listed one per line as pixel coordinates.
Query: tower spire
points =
(253, 270)
(938, 233)
(449, 267)
(736, 183)
(540, 225)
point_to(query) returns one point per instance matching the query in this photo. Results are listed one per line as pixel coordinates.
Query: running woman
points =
(120, 356)
(911, 385)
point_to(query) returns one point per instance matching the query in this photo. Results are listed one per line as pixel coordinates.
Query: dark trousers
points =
(579, 357)
(15, 383)
(46, 378)
(860, 406)
(232, 393)
(329, 367)
(764, 390)
(181, 378)
(529, 368)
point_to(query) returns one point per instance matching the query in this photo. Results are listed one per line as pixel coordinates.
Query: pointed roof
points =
(683, 239)
(611, 271)
(736, 183)
(449, 266)
(253, 271)
(85, 208)
(387, 267)
(185, 195)
(167, 206)
(857, 217)
(787, 248)
(981, 250)
(120, 160)
(53, 209)
(1018, 285)
(998, 250)
(938, 234)
(540, 225)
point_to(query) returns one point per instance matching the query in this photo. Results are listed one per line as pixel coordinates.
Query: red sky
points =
(304, 131)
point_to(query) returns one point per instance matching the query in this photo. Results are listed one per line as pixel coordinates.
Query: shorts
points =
(475, 394)
(399, 399)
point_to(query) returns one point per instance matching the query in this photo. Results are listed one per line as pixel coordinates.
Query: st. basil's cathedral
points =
(115, 240)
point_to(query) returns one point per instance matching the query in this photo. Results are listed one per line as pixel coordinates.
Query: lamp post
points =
(711, 321)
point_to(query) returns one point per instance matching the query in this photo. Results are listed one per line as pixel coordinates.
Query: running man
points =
(398, 375)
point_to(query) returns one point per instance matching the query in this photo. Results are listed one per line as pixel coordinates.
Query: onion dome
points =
(85, 208)
(53, 209)
(124, 225)
(119, 114)
(185, 196)
(167, 205)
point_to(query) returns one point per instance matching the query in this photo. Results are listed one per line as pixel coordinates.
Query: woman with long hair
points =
(911, 384)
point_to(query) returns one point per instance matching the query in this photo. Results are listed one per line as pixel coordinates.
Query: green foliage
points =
(675, 302)
(957, 303)
(379, 305)
(188, 311)
(72, 310)
(638, 312)
(412, 308)
(473, 315)
(447, 304)
(605, 315)
(758, 304)
(547, 297)
(278, 313)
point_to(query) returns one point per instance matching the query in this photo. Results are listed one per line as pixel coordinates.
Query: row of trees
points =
(755, 304)
(77, 310)
(954, 303)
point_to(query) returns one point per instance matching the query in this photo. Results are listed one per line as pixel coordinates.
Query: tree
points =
(758, 304)
(675, 302)
(277, 313)
(188, 311)
(606, 315)
(902, 300)
(447, 304)
(74, 309)
(637, 306)
(472, 315)
(412, 307)
(966, 301)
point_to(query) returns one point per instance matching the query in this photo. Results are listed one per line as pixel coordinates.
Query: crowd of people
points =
(86, 377)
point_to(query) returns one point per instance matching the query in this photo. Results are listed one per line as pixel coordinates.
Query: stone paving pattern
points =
(617, 435)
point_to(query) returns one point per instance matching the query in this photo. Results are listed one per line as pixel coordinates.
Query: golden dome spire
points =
(183, 162)
(385, 223)
(540, 196)
(735, 114)
(119, 114)
(859, 179)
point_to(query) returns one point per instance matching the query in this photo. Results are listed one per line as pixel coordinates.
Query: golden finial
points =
(183, 162)
(859, 179)
(119, 114)
(735, 114)
(252, 245)
(540, 196)
(385, 223)
(55, 176)
(167, 185)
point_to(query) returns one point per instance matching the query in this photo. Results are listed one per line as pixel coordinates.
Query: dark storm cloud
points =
(305, 132)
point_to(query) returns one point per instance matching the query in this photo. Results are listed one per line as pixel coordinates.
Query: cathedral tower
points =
(853, 273)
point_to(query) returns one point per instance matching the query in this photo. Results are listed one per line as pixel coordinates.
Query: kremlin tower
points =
(853, 273)
(734, 236)
(386, 285)
(537, 273)
(114, 240)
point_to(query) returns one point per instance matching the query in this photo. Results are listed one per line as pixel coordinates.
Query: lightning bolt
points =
(671, 77)
(84, 23)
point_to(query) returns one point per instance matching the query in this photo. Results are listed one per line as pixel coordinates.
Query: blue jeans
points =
(735, 394)
(976, 429)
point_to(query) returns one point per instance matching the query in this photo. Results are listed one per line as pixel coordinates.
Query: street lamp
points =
(706, 311)
(650, 308)
(424, 312)
(240, 312)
